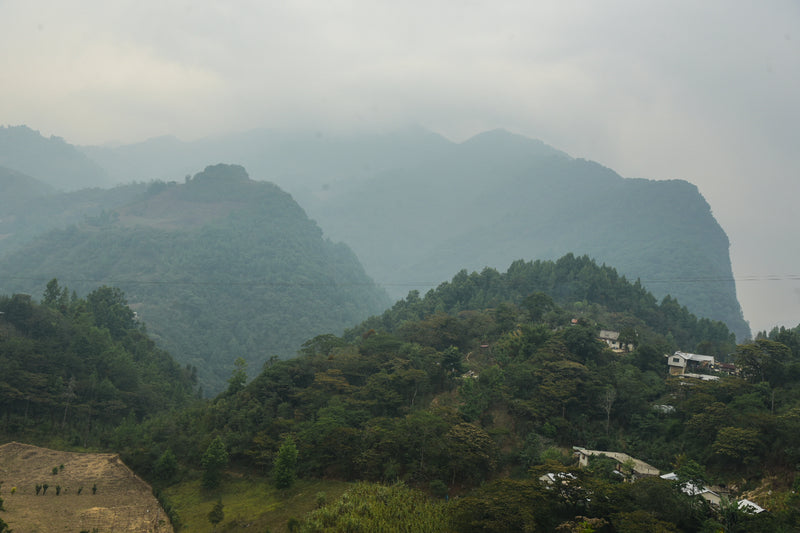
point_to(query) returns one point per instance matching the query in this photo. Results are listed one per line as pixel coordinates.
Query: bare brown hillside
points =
(122, 502)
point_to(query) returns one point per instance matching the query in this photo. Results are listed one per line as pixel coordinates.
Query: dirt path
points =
(122, 502)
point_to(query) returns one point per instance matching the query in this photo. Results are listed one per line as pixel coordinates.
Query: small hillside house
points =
(611, 338)
(681, 363)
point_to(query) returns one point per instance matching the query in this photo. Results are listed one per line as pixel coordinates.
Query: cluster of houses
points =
(690, 365)
(683, 364)
(632, 469)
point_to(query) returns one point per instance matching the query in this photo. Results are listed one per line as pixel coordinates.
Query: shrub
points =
(322, 499)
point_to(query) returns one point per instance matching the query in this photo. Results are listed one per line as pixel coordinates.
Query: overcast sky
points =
(704, 91)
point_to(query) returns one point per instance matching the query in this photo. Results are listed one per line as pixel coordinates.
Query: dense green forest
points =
(218, 267)
(455, 404)
(73, 369)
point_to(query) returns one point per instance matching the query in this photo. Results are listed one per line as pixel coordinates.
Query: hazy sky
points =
(704, 91)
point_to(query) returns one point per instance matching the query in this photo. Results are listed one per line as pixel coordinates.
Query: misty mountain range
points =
(414, 207)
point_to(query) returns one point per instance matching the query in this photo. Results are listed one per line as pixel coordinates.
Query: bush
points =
(322, 499)
(438, 488)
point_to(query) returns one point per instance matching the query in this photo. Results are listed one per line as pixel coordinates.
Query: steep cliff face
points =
(500, 197)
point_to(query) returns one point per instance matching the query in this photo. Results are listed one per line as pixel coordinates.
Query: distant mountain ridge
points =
(218, 267)
(416, 207)
(30, 207)
(51, 160)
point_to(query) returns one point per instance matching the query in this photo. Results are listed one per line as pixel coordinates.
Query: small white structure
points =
(681, 363)
(552, 477)
(691, 489)
(701, 377)
(750, 507)
(664, 409)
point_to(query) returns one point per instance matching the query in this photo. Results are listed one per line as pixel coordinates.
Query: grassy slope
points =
(249, 502)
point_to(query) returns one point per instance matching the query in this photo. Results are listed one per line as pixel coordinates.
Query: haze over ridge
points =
(702, 92)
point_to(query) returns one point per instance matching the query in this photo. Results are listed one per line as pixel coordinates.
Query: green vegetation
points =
(284, 469)
(455, 404)
(489, 201)
(370, 507)
(217, 514)
(248, 501)
(220, 268)
(214, 460)
(73, 370)
(499, 197)
(30, 208)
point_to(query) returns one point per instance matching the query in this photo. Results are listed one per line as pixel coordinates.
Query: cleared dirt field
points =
(122, 502)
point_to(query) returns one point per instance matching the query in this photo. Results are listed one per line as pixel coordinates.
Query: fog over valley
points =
(703, 93)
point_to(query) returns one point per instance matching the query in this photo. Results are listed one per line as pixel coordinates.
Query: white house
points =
(681, 363)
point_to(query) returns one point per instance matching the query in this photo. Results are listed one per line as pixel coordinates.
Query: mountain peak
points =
(506, 141)
(222, 172)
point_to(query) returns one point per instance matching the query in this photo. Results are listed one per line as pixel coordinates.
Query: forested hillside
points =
(485, 384)
(218, 267)
(30, 207)
(471, 397)
(72, 369)
(501, 197)
(416, 207)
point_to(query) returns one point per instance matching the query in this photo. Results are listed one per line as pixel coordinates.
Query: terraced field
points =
(93, 492)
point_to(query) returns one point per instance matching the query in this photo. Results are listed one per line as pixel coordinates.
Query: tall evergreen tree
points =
(285, 465)
(214, 460)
